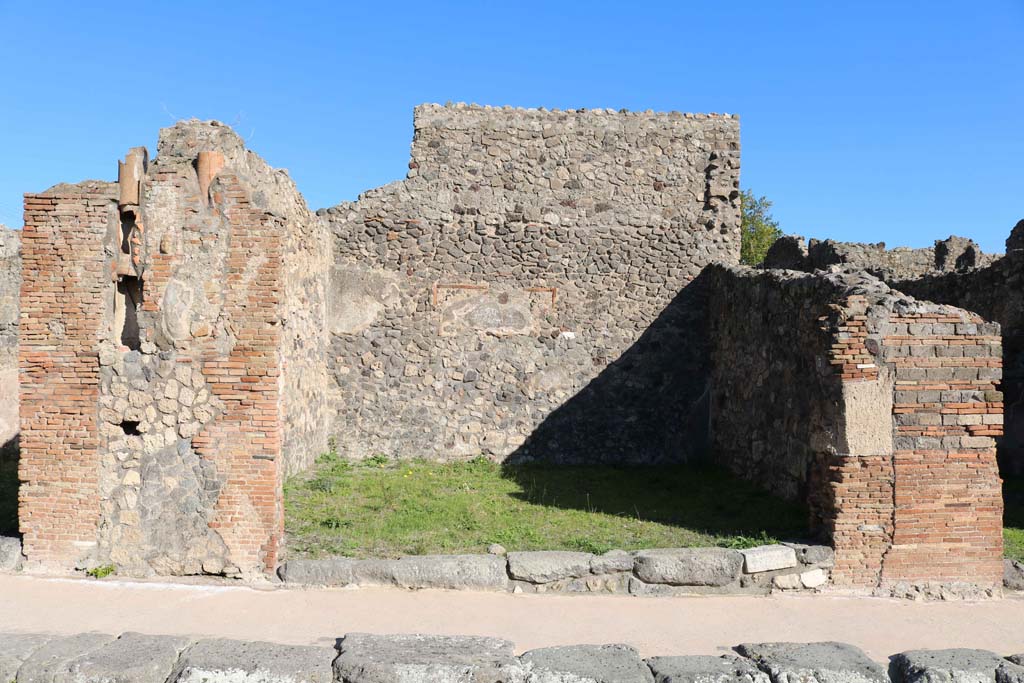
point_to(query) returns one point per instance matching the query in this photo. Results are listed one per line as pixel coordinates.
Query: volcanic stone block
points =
(586, 664)
(957, 665)
(705, 669)
(132, 658)
(10, 553)
(766, 558)
(333, 571)
(234, 661)
(49, 660)
(545, 566)
(482, 572)
(814, 663)
(689, 566)
(15, 648)
(367, 658)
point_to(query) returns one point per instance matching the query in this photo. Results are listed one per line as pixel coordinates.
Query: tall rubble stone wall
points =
(10, 284)
(995, 292)
(527, 289)
(806, 371)
(186, 405)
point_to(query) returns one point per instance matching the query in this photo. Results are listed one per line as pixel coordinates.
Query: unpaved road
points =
(698, 625)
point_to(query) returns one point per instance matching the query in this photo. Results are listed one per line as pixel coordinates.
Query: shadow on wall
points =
(9, 488)
(652, 399)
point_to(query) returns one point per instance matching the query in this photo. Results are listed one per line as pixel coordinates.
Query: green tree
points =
(759, 229)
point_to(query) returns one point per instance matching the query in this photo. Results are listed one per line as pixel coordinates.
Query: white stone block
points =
(766, 558)
(814, 578)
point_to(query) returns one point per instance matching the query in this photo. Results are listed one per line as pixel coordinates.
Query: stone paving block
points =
(367, 658)
(688, 566)
(132, 658)
(548, 565)
(705, 669)
(480, 572)
(43, 665)
(767, 558)
(586, 664)
(825, 662)
(15, 648)
(10, 553)
(219, 660)
(957, 665)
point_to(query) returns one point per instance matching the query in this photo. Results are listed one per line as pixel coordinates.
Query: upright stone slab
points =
(367, 658)
(705, 669)
(825, 662)
(586, 664)
(237, 661)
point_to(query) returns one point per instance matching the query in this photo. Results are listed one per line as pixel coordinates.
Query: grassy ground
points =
(386, 510)
(8, 497)
(1013, 518)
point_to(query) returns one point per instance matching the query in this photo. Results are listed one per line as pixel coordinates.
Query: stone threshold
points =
(656, 572)
(410, 658)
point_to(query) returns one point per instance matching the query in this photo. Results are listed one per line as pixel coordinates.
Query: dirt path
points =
(699, 625)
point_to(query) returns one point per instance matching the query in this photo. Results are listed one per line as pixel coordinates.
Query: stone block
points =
(10, 553)
(815, 578)
(825, 662)
(688, 566)
(333, 571)
(132, 658)
(957, 665)
(767, 558)
(367, 658)
(705, 669)
(611, 562)
(15, 648)
(1013, 575)
(49, 660)
(545, 566)
(586, 664)
(479, 572)
(220, 660)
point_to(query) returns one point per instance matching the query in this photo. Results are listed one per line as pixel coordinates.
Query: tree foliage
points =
(759, 229)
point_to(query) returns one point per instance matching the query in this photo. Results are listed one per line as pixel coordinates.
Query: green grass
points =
(382, 509)
(1013, 518)
(8, 497)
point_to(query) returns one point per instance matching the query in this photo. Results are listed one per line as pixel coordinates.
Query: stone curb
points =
(371, 658)
(662, 571)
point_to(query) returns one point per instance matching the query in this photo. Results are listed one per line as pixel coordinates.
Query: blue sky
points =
(869, 121)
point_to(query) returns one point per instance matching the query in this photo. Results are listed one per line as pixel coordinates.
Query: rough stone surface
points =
(331, 571)
(10, 283)
(369, 658)
(234, 661)
(10, 553)
(48, 662)
(1013, 575)
(482, 572)
(586, 664)
(705, 669)
(544, 566)
(789, 252)
(959, 665)
(825, 662)
(689, 566)
(132, 658)
(766, 558)
(15, 648)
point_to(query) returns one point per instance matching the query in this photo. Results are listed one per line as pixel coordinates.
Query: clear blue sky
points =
(887, 121)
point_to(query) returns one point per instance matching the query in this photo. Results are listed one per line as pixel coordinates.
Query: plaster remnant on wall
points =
(358, 296)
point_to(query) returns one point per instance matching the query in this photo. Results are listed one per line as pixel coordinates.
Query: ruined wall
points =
(191, 343)
(526, 290)
(10, 285)
(879, 410)
(952, 254)
(996, 293)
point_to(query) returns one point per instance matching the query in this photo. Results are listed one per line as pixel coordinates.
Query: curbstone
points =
(219, 660)
(611, 562)
(52, 657)
(548, 565)
(705, 669)
(367, 658)
(482, 572)
(956, 665)
(825, 662)
(333, 571)
(132, 658)
(767, 558)
(586, 664)
(688, 566)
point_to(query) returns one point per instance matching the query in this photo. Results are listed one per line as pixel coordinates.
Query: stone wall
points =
(10, 285)
(526, 290)
(879, 410)
(953, 254)
(996, 293)
(189, 332)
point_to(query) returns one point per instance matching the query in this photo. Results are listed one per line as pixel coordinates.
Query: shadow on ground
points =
(9, 488)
